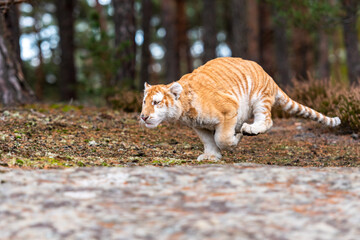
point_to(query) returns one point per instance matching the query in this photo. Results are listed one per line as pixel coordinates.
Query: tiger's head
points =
(161, 103)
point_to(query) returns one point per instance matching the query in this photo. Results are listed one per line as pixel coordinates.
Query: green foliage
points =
(65, 107)
(99, 59)
(307, 14)
(95, 58)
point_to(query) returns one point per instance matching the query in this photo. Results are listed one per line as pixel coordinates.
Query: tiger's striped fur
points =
(217, 98)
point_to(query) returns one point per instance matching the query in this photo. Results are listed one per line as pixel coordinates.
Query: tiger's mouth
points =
(150, 123)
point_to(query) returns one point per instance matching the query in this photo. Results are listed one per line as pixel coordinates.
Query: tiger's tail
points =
(293, 107)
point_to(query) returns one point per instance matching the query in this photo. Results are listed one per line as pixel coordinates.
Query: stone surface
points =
(205, 202)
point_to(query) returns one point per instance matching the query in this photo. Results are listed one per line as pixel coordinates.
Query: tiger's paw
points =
(250, 129)
(209, 156)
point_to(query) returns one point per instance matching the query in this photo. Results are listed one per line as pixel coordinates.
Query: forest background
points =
(102, 51)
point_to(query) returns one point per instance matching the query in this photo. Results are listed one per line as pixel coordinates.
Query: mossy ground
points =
(61, 136)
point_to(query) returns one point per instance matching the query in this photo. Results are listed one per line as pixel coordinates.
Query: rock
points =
(246, 201)
(92, 143)
(4, 164)
(355, 136)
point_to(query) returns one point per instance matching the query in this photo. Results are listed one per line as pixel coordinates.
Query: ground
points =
(60, 136)
(233, 201)
(244, 196)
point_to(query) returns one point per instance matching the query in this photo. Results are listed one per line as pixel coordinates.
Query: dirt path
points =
(241, 201)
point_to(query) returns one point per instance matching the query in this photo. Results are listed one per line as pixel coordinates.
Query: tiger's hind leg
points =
(226, 136)
(262, 118)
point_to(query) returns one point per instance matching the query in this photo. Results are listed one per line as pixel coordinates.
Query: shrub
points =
(329, 99)
(349, 110)
(128, 101)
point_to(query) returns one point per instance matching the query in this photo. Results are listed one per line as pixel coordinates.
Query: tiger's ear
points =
(146, 86)
(176, 89)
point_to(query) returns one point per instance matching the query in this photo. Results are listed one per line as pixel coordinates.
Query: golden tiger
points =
(217, 98)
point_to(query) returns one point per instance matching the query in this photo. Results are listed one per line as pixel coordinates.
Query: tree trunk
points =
(351, 39)
(172, 67)
(183, 47)
(209, 23)
(40, 75)
(336, 70)
(124, 19)
(12, 24)
(324, 64)
(102, 18)
(67, 79)
(145, 51)
(227, 19)
(253, 30)
(239, 29)
(281, 53)
(266, 38)
(13, 87)
(303, 55)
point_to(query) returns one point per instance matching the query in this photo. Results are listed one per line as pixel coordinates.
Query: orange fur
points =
(217, 98)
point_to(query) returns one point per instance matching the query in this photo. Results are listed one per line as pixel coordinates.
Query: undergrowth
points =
(128, 101)
(329, 99)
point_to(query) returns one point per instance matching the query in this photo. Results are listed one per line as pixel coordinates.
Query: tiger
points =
(217, 99)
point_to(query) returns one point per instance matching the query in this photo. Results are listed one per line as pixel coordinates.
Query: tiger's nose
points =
(143, 117)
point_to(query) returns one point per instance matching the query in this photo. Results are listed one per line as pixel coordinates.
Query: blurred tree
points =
(351, 39)
(172, 65)
(336, 66)
(145, 51)
(253, 30)
(239, 28)
(67, 81)
(39, 71)
(281, 51)
(12, 23)
(303, 53)
(101, 17)
(307, 20)
(323, 62)
(124, 20)
(209, 36)
(266, 39)
(183, 48)
(95, 55)
(13, 87)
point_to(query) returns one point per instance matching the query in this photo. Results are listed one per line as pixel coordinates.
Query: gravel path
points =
(205, 202)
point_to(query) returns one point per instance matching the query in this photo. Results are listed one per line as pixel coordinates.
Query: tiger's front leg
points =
(211, 150)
